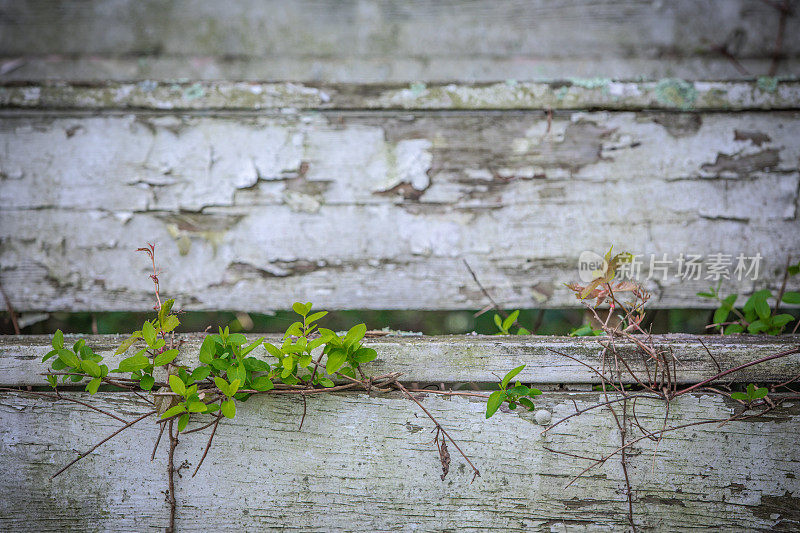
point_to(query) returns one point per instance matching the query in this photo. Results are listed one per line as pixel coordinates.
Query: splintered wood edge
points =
(479, 359)
(764, 93)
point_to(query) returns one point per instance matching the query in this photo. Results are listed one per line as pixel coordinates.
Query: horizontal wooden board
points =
(766, 93)
(474, 358)
(378, 210)
(383, 40)
(368, 464)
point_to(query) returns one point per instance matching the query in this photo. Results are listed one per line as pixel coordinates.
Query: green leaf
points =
(222, 385)
(256, 365)
(706, 295)
(760, 393)
(751, 389)
(166, 307)
(172, 411)
(237, 372)
(300, 308)
(165, 357)
(147, 382)
(149, 333)
(510, 376)
(296, 329)
(510, 319)
(127, 343)
(197, 407)
(527, 403)
(495, 399)
(756, 327)
(288, 366)
(91, 368)
(364, 355)
(183, 421)
(69, 358)
(740, 396)
(336, 359)
(228, 408)
(325, 382)
(316, 316)
(93, 385)
(234, 387)
(733, 328)
(791, 298)
(272, 350)
(304, 360)
(169, 323)
(263, 383)
(251, 347)
(781, 320)
(200, 373)
(177, 385)
(51, 379)
(355, 334)
(498, 322)
(520, 390)
(523, 331)
(79, 344)
(721, 314)
(58, 364)
(207, 350)
(534, 392)
(49, 354)
(236, 339)
(762, 308)
(133, 363)
(220, 364)
(58, 340)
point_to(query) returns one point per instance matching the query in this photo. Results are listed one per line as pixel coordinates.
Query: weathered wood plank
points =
(381, 40)
(458, 359)
(767, 93)
(377, 210)
(384, 475)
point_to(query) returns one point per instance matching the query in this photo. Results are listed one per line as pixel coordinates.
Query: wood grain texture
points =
(766, 93)
(377, 210)
(383, 40)
(262, 473)
(458, 359)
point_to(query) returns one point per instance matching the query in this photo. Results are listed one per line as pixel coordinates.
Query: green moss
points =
(768, 84)
(591, 83)
(194, 91)
(676, 93)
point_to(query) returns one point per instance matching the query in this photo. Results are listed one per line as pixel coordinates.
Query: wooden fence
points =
(264, 473)
(355, 154)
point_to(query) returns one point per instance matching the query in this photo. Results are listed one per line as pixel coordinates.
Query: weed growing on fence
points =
(648, 372)
(756, 316)
(230, 372)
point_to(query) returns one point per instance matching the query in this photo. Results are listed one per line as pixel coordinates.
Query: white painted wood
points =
(381, 40)
(368, 464)
(378, 210)
(459, 359)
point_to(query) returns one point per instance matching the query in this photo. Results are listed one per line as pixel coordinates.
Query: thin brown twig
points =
(93, 448)
(155, 447)
(173, 504)
(58, 396)
(476, 472)
(11, 312)
(208, 444)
